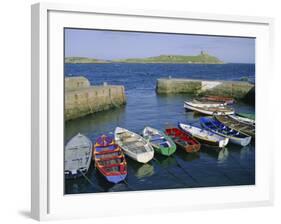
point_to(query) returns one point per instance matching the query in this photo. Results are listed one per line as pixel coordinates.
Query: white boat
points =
(207, 103)
(244, 120)
(204, 136)
(77, 156)
(207, 108)
(133, 145)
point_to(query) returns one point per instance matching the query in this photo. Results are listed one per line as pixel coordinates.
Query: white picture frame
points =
(48, 200)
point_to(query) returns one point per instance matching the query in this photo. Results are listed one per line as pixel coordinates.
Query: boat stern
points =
(223, 142)
(116, 178)
(145, 157)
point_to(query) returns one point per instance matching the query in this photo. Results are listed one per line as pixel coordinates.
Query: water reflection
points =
(223, 155)
(143, 170)
(91, 125)
(244, 152)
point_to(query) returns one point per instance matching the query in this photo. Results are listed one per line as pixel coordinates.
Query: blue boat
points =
(109, 159)
(217, 127)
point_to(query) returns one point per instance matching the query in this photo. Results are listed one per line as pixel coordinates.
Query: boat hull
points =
(109, 159)
(147, 151)
(183, 140)
(242, 141)
(161, 143)
(208, 110)
(234, 123)
(205, 139)
(78, 154)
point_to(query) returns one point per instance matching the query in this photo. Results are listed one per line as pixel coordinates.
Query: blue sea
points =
(228, 167)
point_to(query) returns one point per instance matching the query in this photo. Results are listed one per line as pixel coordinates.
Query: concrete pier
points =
(239, 90)
(82, 99)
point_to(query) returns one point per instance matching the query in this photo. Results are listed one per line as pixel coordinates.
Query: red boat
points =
(109, 159)
(183, 140)
(224, 99)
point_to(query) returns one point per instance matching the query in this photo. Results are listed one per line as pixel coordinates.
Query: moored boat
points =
(244, 120)
(250, 116)
(134, 145)
(222, 99)
(109, 159)
(235, 123)
(183, 140)
(208, 109)
(204, 136)
(217, 127)
(161, 143)
(77, 156)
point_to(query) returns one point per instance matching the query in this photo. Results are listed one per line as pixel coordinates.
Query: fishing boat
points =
(242, 119)
(206, 103)
(134, 145)
(109, 159)
(237, 124)
(222, 99)
(247, 115)
(204, 136)
(160, 142)
(77, 156)
(208, 109)
(217, 127)
(183, 140)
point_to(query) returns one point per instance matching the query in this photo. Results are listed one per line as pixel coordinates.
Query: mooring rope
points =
(91, 183)
(184, 170)
(128, 185)
(168, 171)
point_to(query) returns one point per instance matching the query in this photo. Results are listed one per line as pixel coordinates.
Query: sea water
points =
(231, 166)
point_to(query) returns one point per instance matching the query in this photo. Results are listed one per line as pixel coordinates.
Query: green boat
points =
(161, 143)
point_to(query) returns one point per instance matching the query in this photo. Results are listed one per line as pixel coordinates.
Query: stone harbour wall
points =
(239, 90)
(85, 99)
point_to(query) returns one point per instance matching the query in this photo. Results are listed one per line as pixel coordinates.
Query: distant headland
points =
(202, 58)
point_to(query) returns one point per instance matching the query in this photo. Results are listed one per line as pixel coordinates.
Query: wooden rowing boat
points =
(247, 115)
(109, 159)
(161, 143)
(237, 124)
(208, 109)
(222, 99)
(134, 145)
(244, 120)
(219, 128)
(77, 156)
(204, 136)
(183, 140)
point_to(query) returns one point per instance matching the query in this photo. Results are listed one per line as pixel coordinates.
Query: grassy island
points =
(202, 58)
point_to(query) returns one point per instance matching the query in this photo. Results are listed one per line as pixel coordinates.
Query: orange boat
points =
(183, 140)
(224, 99)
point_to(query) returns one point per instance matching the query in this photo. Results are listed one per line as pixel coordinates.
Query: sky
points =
(109, 45)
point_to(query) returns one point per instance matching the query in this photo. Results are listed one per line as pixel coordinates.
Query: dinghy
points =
(208, 109)
(244, 120)
(183, 140)
(222, 99)
(235, 123)
(247, 115)
(204, 136)
(160, 142)
(109, 159)
(134, 145)
(77, 156)
(217, 127)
